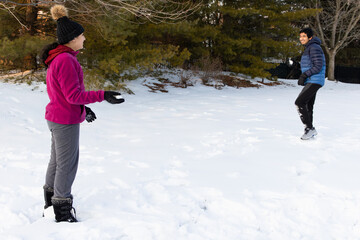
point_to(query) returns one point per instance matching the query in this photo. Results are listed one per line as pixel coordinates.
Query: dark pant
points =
(305, 103)
(64, 158)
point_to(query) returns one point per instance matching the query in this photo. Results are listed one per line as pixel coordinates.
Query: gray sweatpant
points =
(64, 158)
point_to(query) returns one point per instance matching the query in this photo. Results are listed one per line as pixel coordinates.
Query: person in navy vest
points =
(313, 66)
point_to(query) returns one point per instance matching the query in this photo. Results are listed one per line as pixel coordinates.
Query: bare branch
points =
(338, 23)
(17, 19)
(155, 11)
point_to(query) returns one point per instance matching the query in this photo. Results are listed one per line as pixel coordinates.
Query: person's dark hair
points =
(308, 31)
(45, 51)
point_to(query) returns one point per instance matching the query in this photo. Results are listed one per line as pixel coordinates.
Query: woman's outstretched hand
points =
(113, 97)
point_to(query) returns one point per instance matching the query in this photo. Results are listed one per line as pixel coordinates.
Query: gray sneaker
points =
(309, 133)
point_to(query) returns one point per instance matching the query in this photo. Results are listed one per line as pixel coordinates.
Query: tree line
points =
(242, 36)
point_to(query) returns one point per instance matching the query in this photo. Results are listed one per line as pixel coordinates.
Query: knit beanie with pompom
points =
(66, 30)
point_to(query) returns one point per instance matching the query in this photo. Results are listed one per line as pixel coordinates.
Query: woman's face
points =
(77, 43)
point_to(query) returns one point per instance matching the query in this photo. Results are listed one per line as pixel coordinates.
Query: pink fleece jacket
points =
(65, 87)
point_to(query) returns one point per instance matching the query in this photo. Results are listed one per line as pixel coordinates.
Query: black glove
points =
(110, 97)
(90, 115)
(302, 79)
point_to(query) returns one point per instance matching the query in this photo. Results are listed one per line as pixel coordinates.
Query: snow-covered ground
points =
(195, 163)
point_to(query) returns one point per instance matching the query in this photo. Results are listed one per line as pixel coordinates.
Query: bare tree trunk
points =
(31, 17)
(331, 67)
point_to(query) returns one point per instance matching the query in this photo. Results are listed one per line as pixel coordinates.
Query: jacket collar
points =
(56, 51)
(315, 40)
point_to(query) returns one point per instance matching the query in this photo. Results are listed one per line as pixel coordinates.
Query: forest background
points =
(125, 39)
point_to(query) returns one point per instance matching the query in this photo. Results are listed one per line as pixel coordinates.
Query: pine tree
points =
(247, 36)
(258, 32)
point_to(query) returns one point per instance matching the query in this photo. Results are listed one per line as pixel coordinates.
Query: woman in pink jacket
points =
(65, 111)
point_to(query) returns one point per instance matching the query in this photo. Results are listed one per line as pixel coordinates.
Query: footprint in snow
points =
(14, 99)
(134, 164)
(14, 112)
(33, 130)
(303, 169)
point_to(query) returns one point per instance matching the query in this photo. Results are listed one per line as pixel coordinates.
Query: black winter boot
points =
(63, 210)
(48, 194)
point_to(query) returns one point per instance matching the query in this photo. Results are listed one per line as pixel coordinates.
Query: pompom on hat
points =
(66, 30)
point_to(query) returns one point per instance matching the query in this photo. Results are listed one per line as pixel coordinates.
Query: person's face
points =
(78, 42)
(304, 38)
